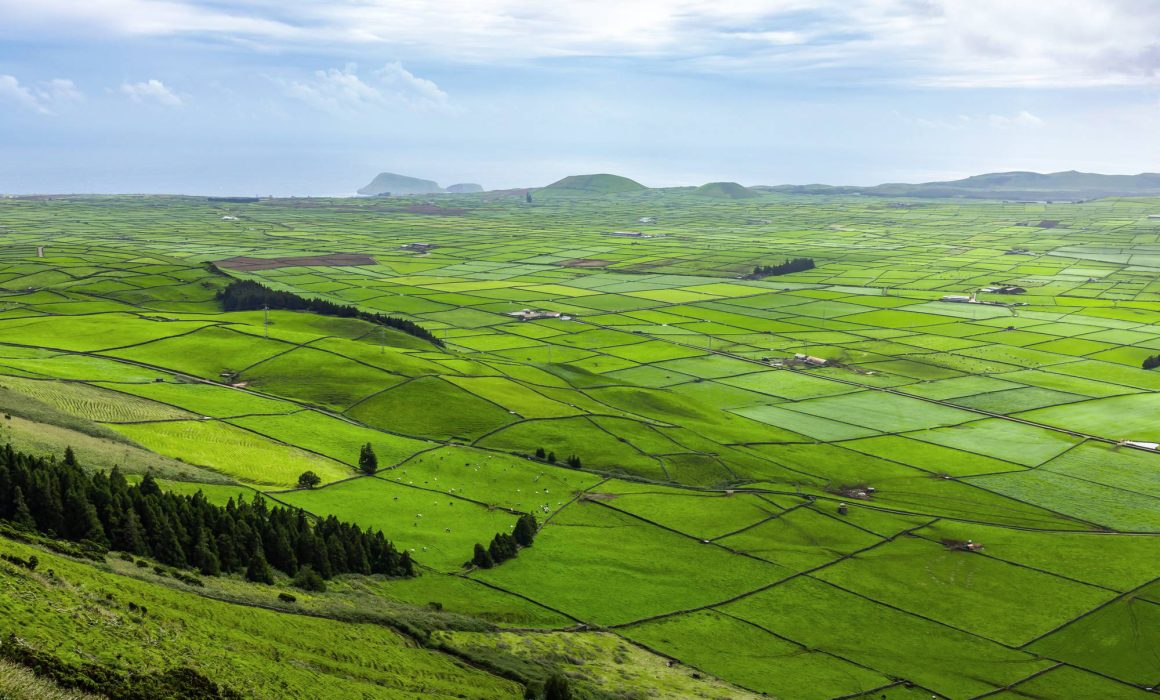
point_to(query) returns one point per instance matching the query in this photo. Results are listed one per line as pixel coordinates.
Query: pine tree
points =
(541, 453)
(149, 486)
(573, 461)
(482, 558)
(525, 530)
(368, 463)
(557, 688)
(125, 532)
(70, 458)
(20, 513)
(309, 580)
(205, 558)
(259, 571)
(552, 457)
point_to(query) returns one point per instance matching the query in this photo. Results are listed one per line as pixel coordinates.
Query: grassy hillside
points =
(590, 185)
(724, 190)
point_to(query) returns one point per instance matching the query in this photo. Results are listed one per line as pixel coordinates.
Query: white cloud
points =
(936, 43)
(416, 91)
(1020, 120)
(1023, 119)
(45, 98)
(153, 91)
(341, 90)
(12, 91)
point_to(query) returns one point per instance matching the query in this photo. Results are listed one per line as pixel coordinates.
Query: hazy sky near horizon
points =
(316, 97)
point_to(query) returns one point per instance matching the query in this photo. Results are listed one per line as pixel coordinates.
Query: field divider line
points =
(1021, 681)
(895, 511)
(904, 683)
(208, 324)
(1021, 565)
(804, 647)
(1100, 483)
(380, 392)
(575, 497)
(626, 441)
(906, 436)
(989, 414)
(657, 652)
(854, 525)
(772, 516)
(685, 534)
(295, 346)
(194, 418)
(489, 506)
(521, 596)
(1093, 611)
(545, 419)
(920, 616)
(762, 589)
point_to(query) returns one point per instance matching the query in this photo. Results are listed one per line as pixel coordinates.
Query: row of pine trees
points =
(247, 295)
(60, 499)
(795, 265)
(504, 546)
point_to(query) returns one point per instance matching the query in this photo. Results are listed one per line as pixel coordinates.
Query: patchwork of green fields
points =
(704, 521)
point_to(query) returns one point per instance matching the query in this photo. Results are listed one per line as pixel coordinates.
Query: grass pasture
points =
(773, 526)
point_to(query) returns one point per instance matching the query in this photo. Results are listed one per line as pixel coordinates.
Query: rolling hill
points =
(1008, 185)
(592, 185)
(724, 190)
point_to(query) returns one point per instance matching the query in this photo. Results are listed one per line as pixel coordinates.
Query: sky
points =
(314, 97)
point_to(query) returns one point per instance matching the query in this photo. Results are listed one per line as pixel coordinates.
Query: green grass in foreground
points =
(82, 612)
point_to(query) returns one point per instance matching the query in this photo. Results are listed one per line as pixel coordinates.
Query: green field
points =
(717, 518)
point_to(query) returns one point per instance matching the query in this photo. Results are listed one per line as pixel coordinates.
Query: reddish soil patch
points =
(246, 264)
(432, 210)
(584, 262)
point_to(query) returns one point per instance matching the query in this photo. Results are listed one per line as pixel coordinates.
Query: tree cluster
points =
(550, 457)
(247, 295)
(1151, 362)
(61, 500)
(795, 265)
(505, 546)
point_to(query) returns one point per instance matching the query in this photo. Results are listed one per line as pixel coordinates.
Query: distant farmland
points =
(831, 483)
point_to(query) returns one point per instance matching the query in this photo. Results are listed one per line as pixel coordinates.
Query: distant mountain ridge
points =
(1069, 184)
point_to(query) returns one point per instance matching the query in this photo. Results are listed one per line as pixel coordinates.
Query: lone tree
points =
(368, 463)
(308, 480)
(552, 457)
